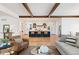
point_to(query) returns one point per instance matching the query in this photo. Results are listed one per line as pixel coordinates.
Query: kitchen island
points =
(39, 33)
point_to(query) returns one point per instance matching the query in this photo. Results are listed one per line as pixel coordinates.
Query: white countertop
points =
(44, 29)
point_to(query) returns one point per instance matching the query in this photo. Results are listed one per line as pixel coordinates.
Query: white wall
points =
(11, 18)
(70, 25)
(13, 22)
(52, 22)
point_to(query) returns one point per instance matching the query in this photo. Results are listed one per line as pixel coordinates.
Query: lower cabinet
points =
(39, 34)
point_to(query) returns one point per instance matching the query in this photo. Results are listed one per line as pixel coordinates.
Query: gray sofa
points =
(67, 49)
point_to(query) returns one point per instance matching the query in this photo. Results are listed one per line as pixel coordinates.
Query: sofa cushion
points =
(62, 38)
(77, 41)
(71, 37)
(71, 44)
(70, 41)
(68, 49)
(24, 44)
(18, 40)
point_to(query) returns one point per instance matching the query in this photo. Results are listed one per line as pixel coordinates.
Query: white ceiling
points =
(37, 9)
(2, 14)
(40, 9)
(43, 9)
(67, 9)
(17, 8)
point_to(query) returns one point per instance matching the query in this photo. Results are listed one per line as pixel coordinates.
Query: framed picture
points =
(34, 25)
(44, 24)
(6, 28)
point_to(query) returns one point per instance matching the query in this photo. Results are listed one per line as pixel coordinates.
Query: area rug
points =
(28, 51)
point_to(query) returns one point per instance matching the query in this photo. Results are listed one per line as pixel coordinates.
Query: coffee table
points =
(34, 51)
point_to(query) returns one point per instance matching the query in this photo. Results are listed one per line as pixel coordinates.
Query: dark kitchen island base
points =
(39, 34)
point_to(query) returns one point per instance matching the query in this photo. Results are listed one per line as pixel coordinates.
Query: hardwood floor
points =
(35, 41)
(39, 39)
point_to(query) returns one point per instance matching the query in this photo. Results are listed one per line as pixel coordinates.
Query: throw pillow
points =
(70, 41)
(5, 40)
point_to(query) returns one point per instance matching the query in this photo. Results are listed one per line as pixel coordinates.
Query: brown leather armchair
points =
(18, 47)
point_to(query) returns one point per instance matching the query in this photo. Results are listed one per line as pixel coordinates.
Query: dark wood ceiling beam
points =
(33, 17)
(53, 9)
(27, 8)
(48, 17)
